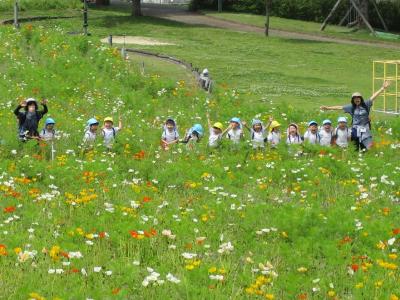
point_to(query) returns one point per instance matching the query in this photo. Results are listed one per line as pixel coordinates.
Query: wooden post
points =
(345, 17)
(85, 17)
(330, 15)
(379, 15)
(219, 6)
(267, 14)
(365, 20)
(16, 11)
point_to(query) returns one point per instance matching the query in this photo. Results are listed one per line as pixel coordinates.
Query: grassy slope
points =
(303, 198)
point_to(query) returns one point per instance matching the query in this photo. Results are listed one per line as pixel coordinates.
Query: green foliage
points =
(7, 5)
(310, 10)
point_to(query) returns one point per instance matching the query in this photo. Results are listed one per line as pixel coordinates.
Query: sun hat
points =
(325, 122)
(218, 125)
(50, 121)
(109, 119)
(312, 123)
(92, 121)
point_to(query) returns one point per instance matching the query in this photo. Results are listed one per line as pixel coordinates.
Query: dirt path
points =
(178, 14)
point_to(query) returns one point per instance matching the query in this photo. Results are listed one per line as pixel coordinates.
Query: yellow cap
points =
(109, 119)
(218, 125)
(274, 124)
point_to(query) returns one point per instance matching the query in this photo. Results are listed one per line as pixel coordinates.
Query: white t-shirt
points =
(109, 135)
(257, 138)
(312, 138)
(342, 136)
(294, 139)
(274, 138)
(47, 135)
(214, 139)
(170, 136)
(235, 135)
(326, 137)
(89, 137)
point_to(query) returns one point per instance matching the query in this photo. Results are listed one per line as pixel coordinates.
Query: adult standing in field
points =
(360, 115)
(29, 119)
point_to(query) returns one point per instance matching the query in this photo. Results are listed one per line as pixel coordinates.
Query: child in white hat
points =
(342, 133)
(326, 133)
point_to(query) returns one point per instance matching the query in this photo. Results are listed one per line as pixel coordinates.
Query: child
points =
(170, 134)
(257, 132)
(91, 132)
(274, 136)
(216, 133)
(193, 135)
(293, 135)
(342, 134)
(235, 133)
(109, 132)
(204, 80)
(326, 133)
(312, 136)
(29, 119)
(48, 133)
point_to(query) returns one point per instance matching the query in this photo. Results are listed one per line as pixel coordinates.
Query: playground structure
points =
(355, 15)
(387, 70)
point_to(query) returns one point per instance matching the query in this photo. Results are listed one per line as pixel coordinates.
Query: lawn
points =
(139, 222)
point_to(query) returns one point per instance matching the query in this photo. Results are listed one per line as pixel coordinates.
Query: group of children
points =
(29, 118)
(260, 134)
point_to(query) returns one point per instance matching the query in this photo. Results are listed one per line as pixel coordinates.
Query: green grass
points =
(299, 26)
(309, 206)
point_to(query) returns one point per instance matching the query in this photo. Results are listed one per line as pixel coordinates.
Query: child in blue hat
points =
(312, 135)
(48, 133)
(342, 133)
(326, 133)
(235, 133)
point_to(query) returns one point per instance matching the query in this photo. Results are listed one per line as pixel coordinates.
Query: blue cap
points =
(312, 123)
(255, 122)
(236, 120)
(326, 122)
(198, 128)
(50, 121)
(342, 119)
(92, 121)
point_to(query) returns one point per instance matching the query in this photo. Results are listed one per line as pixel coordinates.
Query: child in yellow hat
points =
(274, 136)
(110, 132)
(216, 133)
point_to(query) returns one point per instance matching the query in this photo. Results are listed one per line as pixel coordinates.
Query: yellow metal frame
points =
(383, 70)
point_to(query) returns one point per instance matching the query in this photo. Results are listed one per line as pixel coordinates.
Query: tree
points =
(136, 8)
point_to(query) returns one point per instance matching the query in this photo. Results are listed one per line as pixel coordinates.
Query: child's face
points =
(313, 128)
(257, 127)
(327, 127)
(108, 124)
(216, 130)
(93, 128)
(234, 125)
(276, 129)
(342, 125)
(50, 127)
(292, 130)
(170, 126)
(32, 107)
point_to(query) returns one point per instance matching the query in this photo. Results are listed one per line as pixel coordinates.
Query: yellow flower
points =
(17, 250)
(393, 297)
(378, 284)
(284, 234)
(269, 296)
(54, 252)
(212, 270)
(189, 267)
(302, 270)
(359, 285)
(331, 294)
(36, 296)
(393, 256)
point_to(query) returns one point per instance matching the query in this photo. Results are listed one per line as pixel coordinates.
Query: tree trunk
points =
(136, 8)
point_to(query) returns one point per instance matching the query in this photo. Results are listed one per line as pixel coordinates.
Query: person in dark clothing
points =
(28, 120)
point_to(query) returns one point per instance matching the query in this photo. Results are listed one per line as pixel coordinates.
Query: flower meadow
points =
(140, 222)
